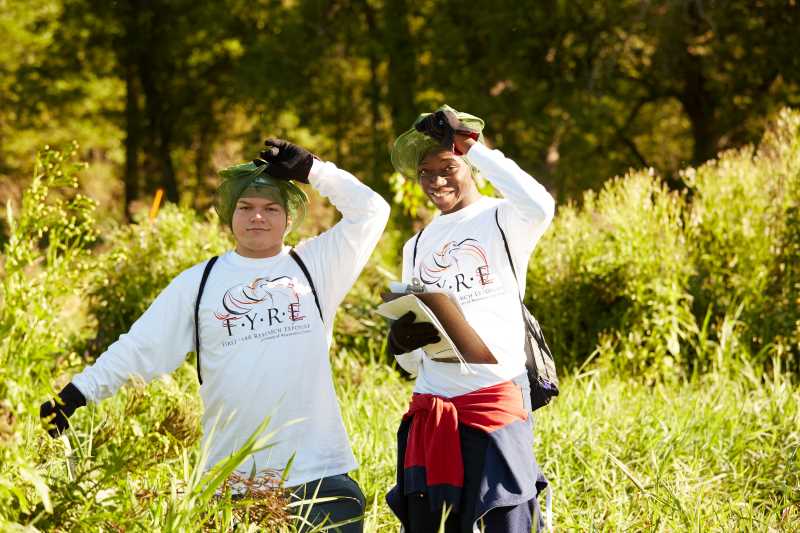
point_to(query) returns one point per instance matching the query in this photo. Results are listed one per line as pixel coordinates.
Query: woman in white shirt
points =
(466, 442)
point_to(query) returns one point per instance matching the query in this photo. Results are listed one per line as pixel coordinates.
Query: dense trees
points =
(167, 90)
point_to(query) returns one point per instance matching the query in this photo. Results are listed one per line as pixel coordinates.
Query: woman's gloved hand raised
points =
(444, 127)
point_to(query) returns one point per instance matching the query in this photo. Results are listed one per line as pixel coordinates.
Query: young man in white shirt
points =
(466, 441)
(265, 327)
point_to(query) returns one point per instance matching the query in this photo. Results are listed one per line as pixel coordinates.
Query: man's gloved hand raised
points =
(286, 161)
(55, 413)
(406, 335)
(443, 126)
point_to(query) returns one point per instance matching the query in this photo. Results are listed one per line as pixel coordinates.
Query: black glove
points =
(442, 127)
(57, 412)
(286, 161)
(406, 335)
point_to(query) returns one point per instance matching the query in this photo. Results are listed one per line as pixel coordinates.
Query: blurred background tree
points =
(160, 93)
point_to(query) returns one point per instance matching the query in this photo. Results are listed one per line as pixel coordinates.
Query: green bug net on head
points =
(247, 180)
(412, 146)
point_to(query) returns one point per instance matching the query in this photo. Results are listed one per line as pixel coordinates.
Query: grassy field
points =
(716, 454)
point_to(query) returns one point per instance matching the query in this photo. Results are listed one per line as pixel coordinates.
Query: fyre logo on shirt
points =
(262, 303)
(457, 266)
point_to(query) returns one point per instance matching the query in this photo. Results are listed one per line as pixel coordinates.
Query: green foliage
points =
(142, 260)
(642, 276)
(614, 273)
(717, 454)
(131, 473)
(744, 227)
(44, 274)
(163, 92)
(408, 194)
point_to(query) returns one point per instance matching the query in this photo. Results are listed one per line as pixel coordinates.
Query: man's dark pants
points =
(348, 505)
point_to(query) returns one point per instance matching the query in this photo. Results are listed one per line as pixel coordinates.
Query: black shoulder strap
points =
(206, 272)
(508, 252)
(414, 258)
(308, 278)
(536, 332)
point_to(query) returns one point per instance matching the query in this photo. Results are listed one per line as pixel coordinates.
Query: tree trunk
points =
(169, 180)
(159, 125)
(699, 105)
(697, 100)
(378, 150)
(202, 166)
(127, 54)
(132, 139)
(402, 67)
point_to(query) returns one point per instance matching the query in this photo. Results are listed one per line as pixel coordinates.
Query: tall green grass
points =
(719, 453)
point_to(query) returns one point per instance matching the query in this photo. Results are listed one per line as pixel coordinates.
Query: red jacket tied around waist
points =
(433, 438)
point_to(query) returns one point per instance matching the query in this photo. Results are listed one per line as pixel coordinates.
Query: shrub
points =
(46, 259)
(142, 260)
(614, 273)
(744, 227)
(646, 278)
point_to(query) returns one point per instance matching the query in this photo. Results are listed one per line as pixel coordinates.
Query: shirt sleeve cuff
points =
(478, 153)
(409, 362)
(316, 170)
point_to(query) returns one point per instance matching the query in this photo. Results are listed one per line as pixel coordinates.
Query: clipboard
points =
(460, 342)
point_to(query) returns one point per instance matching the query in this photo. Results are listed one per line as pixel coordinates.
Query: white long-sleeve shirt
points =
(264, 349)
(463, 252)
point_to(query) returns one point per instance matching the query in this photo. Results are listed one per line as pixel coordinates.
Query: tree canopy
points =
(166, 91)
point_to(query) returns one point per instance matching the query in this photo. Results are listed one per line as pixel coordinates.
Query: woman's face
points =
(258, 225)
(447, 180)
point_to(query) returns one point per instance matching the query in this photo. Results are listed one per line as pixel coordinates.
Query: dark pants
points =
(518, 518)
(348, 505)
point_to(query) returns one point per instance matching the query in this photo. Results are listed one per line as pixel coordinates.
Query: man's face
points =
(447, 181)
(258, 225)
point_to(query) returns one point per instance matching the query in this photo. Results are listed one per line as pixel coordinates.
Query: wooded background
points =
(161, 93)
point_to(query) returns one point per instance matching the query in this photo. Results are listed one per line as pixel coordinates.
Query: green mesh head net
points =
(410, 147)
(251, 180)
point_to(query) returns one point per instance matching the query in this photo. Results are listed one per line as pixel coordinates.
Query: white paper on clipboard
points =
(445, 348)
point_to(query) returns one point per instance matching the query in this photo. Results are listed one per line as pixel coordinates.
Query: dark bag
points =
(539, 361)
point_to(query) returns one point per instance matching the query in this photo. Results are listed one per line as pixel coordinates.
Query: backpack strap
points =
(537, 334)
(206, 272)
(508, 252)
(414, 257)
(302, 266)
